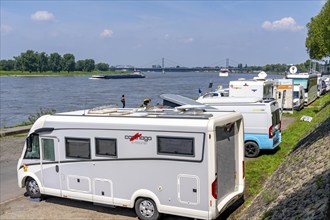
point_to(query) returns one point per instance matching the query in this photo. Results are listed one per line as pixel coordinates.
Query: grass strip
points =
(259, 170)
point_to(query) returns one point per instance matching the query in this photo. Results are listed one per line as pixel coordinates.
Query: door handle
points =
(57, 168)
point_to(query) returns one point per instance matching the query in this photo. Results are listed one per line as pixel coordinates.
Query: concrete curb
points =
(15, 130)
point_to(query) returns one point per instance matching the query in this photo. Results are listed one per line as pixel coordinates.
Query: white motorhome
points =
(186, 162)
(283, 93)
(309, 82)
(251, 88)
(262, 120)
(298, 97)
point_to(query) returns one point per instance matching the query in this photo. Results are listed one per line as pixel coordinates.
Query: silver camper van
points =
(186, 162)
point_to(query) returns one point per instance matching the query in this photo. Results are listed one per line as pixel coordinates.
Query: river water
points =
(22, 96)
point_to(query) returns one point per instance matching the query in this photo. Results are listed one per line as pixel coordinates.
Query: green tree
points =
(7, 65)
(29, 61)
(18, 63)
(318, 36)
(89, 65)
(55, 62)
(68, 62)
(43, 62)
(102, 67)
(80, 64)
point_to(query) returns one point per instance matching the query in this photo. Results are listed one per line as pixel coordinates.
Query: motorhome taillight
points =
(214, 189)
(270, 132)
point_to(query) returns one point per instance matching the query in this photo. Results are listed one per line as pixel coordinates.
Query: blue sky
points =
(140, 33)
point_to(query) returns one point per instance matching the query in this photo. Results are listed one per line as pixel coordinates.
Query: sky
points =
(141, 33)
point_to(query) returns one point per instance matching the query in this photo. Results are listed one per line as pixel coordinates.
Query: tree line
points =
(32, 61)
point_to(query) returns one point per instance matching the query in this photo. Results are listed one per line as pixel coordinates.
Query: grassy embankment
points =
(258, 170)
(62, 73)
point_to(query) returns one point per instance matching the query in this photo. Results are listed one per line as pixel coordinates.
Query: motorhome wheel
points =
(251, 149)
(32, 188)
(146, 209)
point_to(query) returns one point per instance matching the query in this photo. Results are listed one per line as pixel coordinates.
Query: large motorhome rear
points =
(187, 163)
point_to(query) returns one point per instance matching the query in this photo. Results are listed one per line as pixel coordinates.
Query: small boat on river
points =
(133, 75)
(224, 72)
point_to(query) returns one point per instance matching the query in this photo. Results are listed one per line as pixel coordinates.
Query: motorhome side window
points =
(106, 147)
(32, 149)
(77, 148)
(175, 146)
(48, 152)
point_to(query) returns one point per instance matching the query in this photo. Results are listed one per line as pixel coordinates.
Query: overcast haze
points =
(140, 33)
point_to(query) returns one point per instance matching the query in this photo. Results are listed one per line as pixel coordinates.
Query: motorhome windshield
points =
(303, 82)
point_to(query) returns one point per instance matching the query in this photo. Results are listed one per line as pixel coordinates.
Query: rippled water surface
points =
(21, 96)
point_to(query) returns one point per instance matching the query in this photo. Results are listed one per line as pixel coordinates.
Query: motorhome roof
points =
(197, 111)
(251, 82)
(300, 76)
(231, 100)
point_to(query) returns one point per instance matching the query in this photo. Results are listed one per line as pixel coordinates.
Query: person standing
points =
(123, 100)
(200, 92)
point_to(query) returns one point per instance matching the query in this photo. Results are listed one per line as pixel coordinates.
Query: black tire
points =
(32, 188)
(146, 209)
(251, 149)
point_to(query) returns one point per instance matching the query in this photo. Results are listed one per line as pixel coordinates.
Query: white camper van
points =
(187, 163)
(298, 97)
(251, 88)
(262, 120)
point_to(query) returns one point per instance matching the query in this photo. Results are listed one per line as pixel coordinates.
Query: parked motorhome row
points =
(262, 120)
(185, 162)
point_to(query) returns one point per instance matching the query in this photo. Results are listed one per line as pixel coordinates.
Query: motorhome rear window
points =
(276, 119)
(176, 146)
(77, 148)
(106, 147)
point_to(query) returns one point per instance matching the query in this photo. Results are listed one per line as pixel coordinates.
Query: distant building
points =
(156, 66)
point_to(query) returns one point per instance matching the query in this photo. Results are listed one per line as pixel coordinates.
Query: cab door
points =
(50, 166)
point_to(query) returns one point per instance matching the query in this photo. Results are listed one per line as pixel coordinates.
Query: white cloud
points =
(42, 16)
(106, 33)
(6, 29)
(188, 40)
(285, 24)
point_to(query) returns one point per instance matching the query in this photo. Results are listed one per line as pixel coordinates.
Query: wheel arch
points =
(31, 176)
(143, 193)
(253, 139)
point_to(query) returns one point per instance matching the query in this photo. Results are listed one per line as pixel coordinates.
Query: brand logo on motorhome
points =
(138, 136)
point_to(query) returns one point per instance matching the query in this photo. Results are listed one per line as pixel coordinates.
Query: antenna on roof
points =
(293, 69)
